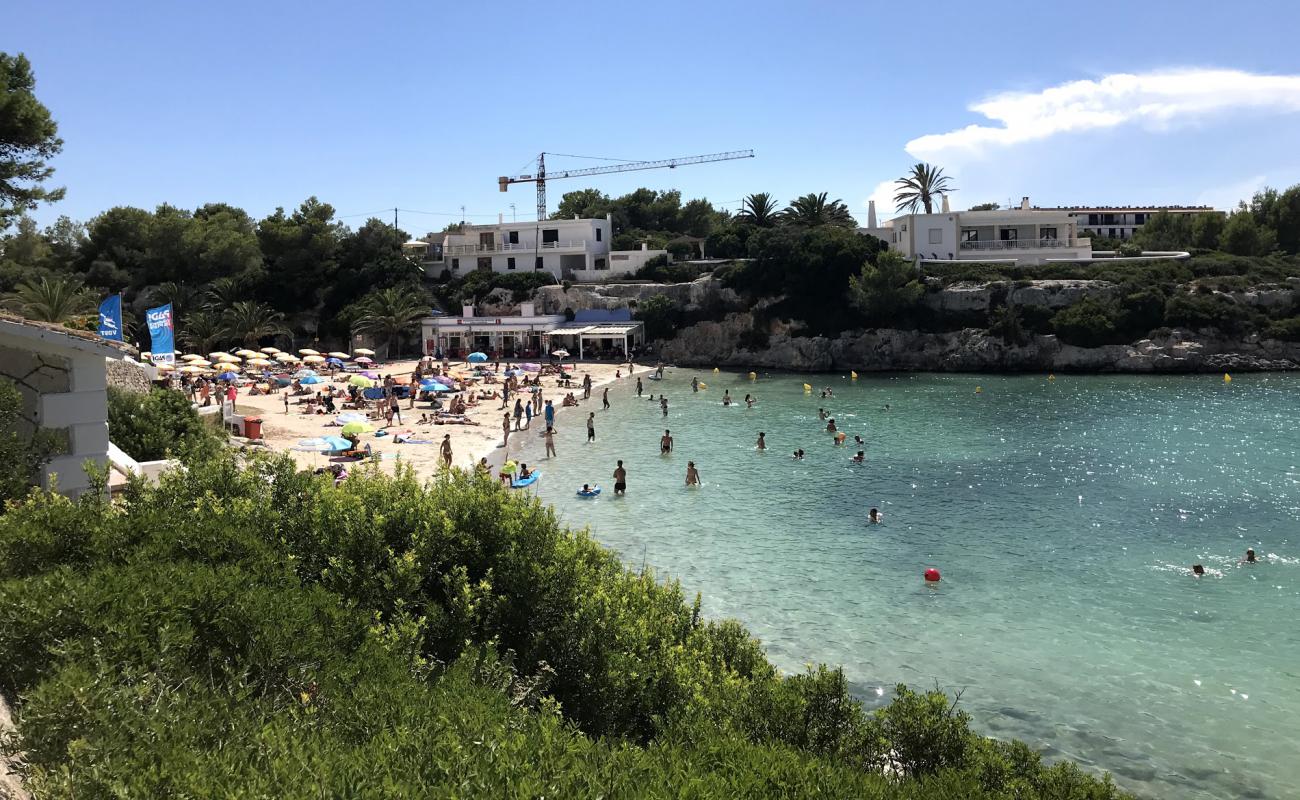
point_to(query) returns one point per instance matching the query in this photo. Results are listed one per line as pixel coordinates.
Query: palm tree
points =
(813, 210)
(248, 321)
(919, 188)
(182, 297)
(389, 312)
(202, 330)
(224, 293)
(759, 209)
(51, 299)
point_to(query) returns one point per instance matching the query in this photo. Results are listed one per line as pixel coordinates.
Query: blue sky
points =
(421, 105)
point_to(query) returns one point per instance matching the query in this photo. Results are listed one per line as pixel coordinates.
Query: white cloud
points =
(1153, 99)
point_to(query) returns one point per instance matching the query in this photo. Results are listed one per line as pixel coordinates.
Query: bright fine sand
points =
(469, 443)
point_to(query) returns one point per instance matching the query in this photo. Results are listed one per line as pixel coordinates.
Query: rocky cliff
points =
(704, 292)
(718, 344)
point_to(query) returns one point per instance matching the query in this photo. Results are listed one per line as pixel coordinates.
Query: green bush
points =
(1288, 330)
(1201, 311)
(1088, 323)
(256, 631)
(22, 451)
(156, 425)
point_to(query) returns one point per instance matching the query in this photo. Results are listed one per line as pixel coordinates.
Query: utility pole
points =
(462, 215)
(513, 218)
(394, 219)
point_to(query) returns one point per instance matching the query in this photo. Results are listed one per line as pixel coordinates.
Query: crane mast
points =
(541, 177)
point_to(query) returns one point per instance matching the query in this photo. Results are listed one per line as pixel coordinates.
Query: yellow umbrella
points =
(246, 353)
(307, 351)
(215, 356)
(363, 351)
(229, 358)
(271, 350)
(200, 363)
(227, 367)
(285, 357)
(164, 367)
(337, 354)
(190, 369)
(313, 360)
(191, 357)
(257, 362)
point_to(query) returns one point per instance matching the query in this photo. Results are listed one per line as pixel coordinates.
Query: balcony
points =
(506, 247)
(1004, 245)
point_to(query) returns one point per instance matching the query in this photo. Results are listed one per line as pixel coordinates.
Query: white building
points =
(1121, 222)
(513, 336)
(60, 374)
(569, 249)
(1021, 235)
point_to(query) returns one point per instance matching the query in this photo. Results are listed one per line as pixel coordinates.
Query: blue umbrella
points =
(476, 358)
(227, 376)
(434, 386)
(513, 372)
(310, 379)
(333, 360)
(335, 443)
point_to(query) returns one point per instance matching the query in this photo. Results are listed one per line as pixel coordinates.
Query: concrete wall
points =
(63, 391)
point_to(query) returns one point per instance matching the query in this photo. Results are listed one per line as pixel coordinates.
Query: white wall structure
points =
(566, 248)
(61, 376)
(1021, 235)
(625, 263)
(511, 336)
(1121, 222)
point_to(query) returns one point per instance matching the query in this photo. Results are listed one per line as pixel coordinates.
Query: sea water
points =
(1063, 514)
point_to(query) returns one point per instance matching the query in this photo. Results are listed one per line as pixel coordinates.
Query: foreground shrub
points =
(157, 425)
(257, 631)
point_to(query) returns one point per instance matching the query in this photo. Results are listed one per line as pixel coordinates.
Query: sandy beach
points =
(282, 431)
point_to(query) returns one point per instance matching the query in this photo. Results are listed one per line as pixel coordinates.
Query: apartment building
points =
(1022, 235)
(1121, 222)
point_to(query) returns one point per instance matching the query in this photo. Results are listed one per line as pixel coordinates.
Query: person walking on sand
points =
(692, 474)
(666, 443)
(550, 441)
(620, 479)
(604, 397)
(446, 450)
(285, 397)
(591, 427)
(586, 386)
(505, 430)
(638, 387)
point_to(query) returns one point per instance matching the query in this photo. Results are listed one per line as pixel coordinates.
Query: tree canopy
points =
(28, 140)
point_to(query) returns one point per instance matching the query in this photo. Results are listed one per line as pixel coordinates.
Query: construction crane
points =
(541, 177)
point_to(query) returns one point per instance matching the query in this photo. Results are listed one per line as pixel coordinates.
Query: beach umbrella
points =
(350, 416)
(476, 358)
(333, 361)
(285, 357)
(190, 357)
(229, 359)
(303, 373)
(361, 381)
(310, 379)
(313, 360)
(246, 353)
(364, 360)
(561, 353)
(434, 386)
(336, 443)
(356, 427)
(510, 373)
(339, 354)
(198, 362)
(307, 351)
(164, 367)
(227, 376)
(362, 351)
(531, 367)
(374, 376)
(190, 369)
(271, 350)
(258, 362)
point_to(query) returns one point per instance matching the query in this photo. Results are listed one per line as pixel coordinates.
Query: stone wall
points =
(129, 376)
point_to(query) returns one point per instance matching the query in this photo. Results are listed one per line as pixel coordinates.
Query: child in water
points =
(860, 457)
(874, 517)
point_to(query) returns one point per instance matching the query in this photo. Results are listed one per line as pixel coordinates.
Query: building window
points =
(970, 235)
(599, 232)
(550, 235)
(1108, 219)
(485, 264)
(1113, 235)
(1009, 234)
(1139, 219)
(510, 262)
(600, 262)
(1047, 233)
(455, 263)
(936, 236)
(1094, 219)
(538, 265)
(513, 237)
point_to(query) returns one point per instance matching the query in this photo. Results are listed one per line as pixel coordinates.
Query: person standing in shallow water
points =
(505, 429)
(550, 441)
(695, 384)
(663, 404)
(620, 479)
(762, 444)
(666, 443)
(638, 387)
(604, 397)
(591, 427)
(692, 474)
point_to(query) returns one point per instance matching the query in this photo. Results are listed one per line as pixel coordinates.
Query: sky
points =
(420, 106)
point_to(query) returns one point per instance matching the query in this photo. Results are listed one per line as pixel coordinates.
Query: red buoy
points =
(932, 575)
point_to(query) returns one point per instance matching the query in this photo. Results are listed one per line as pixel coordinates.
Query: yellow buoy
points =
(853, 375)
(715, 369)
(979, 390)
(1051, 377)
(807, 389)
(704, 386)
(1227, 378)
(753, 376)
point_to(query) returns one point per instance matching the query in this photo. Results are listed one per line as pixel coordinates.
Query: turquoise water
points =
(1063, 516)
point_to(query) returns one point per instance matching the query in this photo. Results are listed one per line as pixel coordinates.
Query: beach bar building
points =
(600, 333)
(516, 336)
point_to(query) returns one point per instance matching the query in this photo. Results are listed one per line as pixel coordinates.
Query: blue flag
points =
(110, 318)
(162, 334)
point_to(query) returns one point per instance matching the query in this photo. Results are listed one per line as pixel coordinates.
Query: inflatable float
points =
(592, 492)
(523, 483)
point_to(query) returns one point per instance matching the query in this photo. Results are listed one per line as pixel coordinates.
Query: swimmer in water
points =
(821, 413)
(692, 474)
(886, 406)
(1250, 557)
(873, 516)
(858, 439)
(799, 454)
(859, 458)
(586, 489)
(1198, 571)
(796, 455)
(666, 443)
(726, 397)
(695, 384)
(840, 437)
(762, 445)
(749, 401)
(830, 425)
